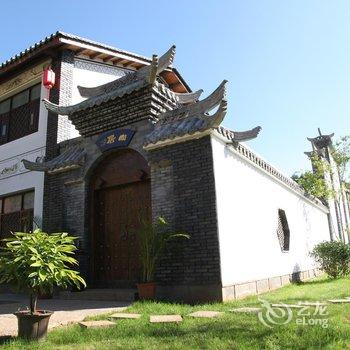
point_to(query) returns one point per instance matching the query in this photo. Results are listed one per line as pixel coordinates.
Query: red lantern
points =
(49, 78)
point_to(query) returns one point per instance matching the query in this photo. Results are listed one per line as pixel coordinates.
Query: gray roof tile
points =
(71, 158)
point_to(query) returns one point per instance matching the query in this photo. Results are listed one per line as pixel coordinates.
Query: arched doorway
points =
(121, 196)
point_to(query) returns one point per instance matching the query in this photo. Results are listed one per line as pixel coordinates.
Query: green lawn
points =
(231, 331)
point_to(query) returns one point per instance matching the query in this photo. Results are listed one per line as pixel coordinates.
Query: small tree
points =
(341, 155)
(314, 181)
(36, 262)
(334, 258)
(153, 240)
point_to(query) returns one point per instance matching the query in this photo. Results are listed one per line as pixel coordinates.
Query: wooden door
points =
(118, 209)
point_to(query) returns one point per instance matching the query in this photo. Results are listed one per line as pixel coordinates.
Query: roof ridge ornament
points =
(200, 108)
(195, 119)
(220, 114)
(190, 118)
(321, 141)
(189, 97)
(153, 71)
(240, 136)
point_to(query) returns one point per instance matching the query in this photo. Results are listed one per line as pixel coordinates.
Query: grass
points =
(231, 331)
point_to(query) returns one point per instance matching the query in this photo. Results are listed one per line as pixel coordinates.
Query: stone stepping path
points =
(120, 315)
(165, 318)
(206, 314)
(247, 310)
(339, 301)
(96, 324)
(203, 314)
(291, 306)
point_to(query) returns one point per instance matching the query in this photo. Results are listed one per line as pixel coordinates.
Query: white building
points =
(140, 141)
(28, 132)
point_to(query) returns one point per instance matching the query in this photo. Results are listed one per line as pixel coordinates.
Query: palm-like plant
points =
(153, 240)
(36, 262)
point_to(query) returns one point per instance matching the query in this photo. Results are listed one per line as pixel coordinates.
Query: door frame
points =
(92, 198)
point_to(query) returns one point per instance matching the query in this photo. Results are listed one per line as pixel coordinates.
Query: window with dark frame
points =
(19, 114)
(16, 213)
(283, 232)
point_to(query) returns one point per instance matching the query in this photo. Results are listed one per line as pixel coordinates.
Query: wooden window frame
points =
(33, 108)
(23, 213)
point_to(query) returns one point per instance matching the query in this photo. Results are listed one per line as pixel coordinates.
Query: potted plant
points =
(153, 240)
(34, 263)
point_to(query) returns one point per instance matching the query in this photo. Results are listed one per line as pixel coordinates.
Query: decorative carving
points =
(190, 97)
(14, 166)
(100, 68)
(239, 136)
(23, 78)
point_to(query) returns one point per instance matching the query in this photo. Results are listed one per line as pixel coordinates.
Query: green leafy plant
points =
(341, 155)
(36, 262)
(153, 240)
(314, 182)
(334, 258)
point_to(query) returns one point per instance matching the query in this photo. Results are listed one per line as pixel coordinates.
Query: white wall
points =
(88, 74)
(248, 200)
(91, 74)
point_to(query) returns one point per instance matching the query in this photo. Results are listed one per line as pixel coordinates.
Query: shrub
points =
(36, 262)
(334, 258)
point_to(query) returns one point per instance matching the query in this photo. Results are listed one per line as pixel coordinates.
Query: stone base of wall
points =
(195, 294)
(192, 294)
(241, 290)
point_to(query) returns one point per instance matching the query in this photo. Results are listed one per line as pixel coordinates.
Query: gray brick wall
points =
(144, 104)
(184, 188)
(66, 87)
(61, 93)
(183, 191)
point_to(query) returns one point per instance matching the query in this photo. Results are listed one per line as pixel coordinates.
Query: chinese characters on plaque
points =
(114, 139)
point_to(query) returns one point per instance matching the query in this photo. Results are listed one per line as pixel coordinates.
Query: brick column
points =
(183, 190)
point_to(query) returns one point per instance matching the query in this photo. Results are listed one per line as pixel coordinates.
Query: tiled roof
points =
(125, 85)
(96, 100)
(191, 118)
(60, 34)
(70, 159)
(178, 128)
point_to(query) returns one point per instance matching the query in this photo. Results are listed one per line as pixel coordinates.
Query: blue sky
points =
(287, 62)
